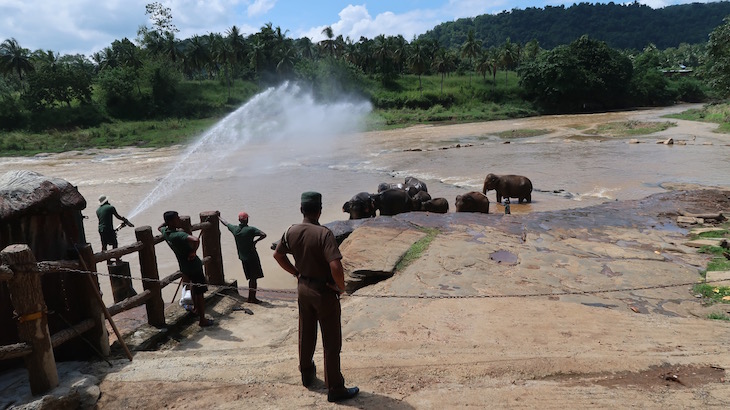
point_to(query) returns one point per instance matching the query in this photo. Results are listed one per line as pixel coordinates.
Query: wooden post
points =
(150, 277)
(99, 336)
(211, 242)
(27, 298)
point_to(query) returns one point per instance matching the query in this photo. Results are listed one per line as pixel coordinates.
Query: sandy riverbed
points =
(484, 344)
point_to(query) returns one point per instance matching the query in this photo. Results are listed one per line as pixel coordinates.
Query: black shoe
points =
(308, 378)
(345, 393)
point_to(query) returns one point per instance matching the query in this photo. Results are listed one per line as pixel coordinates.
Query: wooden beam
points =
(15, 350)
(130, 303)
(118, 252)
(76, 330)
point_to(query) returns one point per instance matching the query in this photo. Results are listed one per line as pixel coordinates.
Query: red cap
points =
(242, 216)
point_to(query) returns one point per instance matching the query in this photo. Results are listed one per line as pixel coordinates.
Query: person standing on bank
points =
(321, 280)
(246, 238)
(105, 212)
(185, 247)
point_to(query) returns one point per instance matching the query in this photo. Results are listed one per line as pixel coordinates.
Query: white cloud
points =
(356, 21)
(260, 7)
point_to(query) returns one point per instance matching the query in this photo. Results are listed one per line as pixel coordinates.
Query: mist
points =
(281, 125)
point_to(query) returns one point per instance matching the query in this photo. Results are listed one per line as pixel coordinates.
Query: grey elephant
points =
(509, 186)
(418, 199)
(473, 201)
(389, 185)
(436, 205)
(360, 206)
(393, 201)
(413, 185)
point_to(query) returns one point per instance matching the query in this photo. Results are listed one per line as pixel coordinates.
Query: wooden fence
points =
(21, 271)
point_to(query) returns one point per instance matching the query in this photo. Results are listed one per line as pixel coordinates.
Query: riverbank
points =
(595, 312)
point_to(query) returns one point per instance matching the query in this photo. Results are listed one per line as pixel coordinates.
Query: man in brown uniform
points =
(318, 268)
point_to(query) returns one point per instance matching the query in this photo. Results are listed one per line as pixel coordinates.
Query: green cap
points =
(311, 198)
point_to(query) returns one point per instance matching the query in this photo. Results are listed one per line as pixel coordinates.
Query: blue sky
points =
(86, 26)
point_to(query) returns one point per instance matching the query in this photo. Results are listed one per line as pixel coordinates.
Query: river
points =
(265, 176)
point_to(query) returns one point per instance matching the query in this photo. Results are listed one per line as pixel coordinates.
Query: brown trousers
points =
(320, 304)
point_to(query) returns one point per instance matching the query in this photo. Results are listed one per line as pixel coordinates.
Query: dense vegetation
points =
(623, 26)
(159, 89)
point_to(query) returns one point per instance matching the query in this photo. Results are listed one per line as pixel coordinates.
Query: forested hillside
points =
(632, 26)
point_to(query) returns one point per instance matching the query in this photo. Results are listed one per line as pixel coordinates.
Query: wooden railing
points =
(19, 268)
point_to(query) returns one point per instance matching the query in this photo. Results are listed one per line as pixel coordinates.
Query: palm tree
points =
(509, 55)
(196, 55)
(328, 45)
(494, 60)
(484, 65)
(47, 58)
(14, 58)
(418, 61)
(470, 49)
(306, 48)
(256, 56)
(443, 63)
(238, 45)
(287, 61)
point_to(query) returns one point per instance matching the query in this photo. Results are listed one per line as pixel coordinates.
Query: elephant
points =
(414, 185)
(389, 185)
(437, 205)
(473, 201)
(419, 198)
(393, 201)
(360, 206)
(509, 186)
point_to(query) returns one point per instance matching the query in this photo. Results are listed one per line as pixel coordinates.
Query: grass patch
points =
(714, 113)
(711, 234)
(417, 249)
(718, 264)
(718, 316)
(629, 128)
(116, 134)
(522, 133)
(713, 293)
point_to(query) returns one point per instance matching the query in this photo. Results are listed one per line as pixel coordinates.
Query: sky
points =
(87, 26)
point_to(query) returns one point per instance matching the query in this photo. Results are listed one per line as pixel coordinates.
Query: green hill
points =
(631, 26)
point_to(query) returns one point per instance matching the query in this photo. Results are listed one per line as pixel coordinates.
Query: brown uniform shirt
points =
(313, 248)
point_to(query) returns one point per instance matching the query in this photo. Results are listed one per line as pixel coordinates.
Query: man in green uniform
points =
(105, 212)
(318, 267)
(185, 247)
(246, 238)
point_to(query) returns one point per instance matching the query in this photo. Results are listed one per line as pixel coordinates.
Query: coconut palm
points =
(14, 58)
(484, 65)
(471, 49)
(443, 63)
(328, 45)
(418, 60)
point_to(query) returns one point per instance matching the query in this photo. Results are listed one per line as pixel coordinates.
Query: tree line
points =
(155, 75)
(623, 26)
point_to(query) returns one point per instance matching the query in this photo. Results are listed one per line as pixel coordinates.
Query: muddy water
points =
(583, 170)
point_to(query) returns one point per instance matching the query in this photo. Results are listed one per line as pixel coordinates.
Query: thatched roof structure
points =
(25, 192)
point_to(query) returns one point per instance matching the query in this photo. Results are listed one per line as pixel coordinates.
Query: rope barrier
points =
(524, 295)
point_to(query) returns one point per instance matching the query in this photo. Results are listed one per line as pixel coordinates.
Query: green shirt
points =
(178, 242)
(105, 213)
(244, 236)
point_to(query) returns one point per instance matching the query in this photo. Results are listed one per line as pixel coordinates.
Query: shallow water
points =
(266, 177)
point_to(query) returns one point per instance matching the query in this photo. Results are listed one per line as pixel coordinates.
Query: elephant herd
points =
(412, 195)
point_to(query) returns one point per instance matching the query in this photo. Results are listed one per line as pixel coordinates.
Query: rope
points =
(519, 295)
